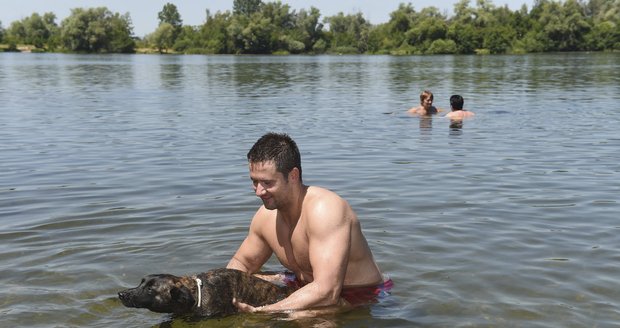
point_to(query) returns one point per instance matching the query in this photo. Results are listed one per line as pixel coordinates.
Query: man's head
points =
(275, 170)
(456, 102)
(280, 149)
(426, 99)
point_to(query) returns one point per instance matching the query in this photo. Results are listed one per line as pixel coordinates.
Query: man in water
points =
(426, 105)
(313, 232)
(458, 113)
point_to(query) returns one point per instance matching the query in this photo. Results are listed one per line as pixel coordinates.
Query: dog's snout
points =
(122, 295)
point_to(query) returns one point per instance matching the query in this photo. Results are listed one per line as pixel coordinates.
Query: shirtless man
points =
(458, 113)
(426, 105)
(312, 231)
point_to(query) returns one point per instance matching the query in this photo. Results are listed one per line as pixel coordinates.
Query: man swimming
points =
(458, 113)
(426, 105)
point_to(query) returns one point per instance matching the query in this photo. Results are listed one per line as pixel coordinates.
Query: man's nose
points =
(259, 190)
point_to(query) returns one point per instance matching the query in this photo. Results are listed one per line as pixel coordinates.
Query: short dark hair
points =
(456, 102)
(277, 147)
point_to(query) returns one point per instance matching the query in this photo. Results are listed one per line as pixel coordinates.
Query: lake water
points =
(113, 167)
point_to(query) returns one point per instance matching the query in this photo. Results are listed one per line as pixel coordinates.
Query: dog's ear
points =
(182, 296)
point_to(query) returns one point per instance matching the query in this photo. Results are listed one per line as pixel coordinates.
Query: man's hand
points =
(247, 308)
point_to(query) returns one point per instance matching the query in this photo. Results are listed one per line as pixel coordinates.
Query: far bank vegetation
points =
(257, 27)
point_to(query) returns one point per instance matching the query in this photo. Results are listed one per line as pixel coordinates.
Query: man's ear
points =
(293, 176)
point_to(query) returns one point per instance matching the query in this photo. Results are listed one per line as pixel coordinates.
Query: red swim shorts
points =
(357, 296)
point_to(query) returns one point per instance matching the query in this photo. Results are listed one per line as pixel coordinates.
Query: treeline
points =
(257, 27)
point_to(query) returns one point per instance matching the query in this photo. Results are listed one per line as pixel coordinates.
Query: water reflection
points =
(353, 318)
(102, 189)
(426, 124)
(104, 76)
(171, 72)
(456, 127)
(259, 79)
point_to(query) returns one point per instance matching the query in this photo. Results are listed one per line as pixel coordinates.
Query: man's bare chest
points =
(291, 246)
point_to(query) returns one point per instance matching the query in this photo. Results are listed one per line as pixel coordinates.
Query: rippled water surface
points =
(113, 167)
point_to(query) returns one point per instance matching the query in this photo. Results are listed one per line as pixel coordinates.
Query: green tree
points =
(575, 25)
(531, 42)
(442, 46)
(430, 25)
(560, 27)
(498, 39)
(187, 41)
(214, 33)
(53, 39)
(499, 34)
(603, 36)
(246, 7)
(483, 14)
(465, 37)
(307, 28)
(251, 35)
(36, 30)
(349, 33)
(281, 23)
(97, 30)
(17, 32)
(275, 28)
(463, 13)
(170, 15)
(121, 31)
(163, 37)
(401, 21)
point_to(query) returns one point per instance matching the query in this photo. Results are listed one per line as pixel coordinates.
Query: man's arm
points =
(254, 251)
(329, 234)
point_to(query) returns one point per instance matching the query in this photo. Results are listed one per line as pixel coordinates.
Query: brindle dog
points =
(165, 293)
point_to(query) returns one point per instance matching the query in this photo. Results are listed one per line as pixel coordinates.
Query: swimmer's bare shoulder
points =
(415, 110)
(461, 114)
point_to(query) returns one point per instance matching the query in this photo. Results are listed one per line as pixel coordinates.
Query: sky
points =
(193, 12)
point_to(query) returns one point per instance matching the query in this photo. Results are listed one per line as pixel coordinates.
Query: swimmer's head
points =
(456, 102)
(279, 148)
(426, 95)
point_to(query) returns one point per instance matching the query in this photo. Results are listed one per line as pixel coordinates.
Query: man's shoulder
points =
(460, 114)
(415, 110)
(324, 203)
(321, 200)
(316, 193)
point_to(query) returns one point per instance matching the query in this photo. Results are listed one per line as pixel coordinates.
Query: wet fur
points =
(166, 293)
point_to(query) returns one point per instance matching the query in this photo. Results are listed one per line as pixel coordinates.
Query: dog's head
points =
(163, 293)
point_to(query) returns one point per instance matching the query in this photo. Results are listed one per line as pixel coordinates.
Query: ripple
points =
(114, 167)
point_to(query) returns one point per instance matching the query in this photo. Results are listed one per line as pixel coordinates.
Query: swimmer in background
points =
(426, 105)
(458, 113)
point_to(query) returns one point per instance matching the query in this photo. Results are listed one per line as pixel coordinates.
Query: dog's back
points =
(220, 286)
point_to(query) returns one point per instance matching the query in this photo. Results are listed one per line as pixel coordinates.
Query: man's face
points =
(427, 103)
(269, 185)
